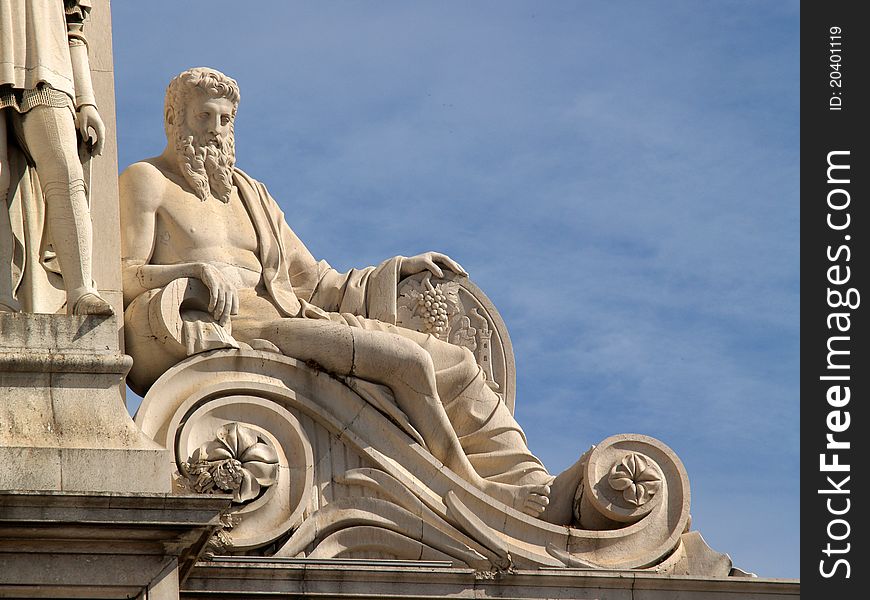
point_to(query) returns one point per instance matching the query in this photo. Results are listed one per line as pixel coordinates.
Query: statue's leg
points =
(383, 358)
(407, 369)
(7, 244)
(490, 436)
(51, 140)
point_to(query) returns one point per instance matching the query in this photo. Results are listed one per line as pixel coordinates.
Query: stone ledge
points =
(35, 361)
(135, 470)
(247, 577)
(96, 507)
(59, 333)
(103, 545)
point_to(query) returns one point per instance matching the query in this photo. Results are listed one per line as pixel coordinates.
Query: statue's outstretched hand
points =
(434, 262)
(223, 298)
(91, 126)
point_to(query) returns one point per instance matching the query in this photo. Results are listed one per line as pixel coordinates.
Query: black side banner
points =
(835, 225)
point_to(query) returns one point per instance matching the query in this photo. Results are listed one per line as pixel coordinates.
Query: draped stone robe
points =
(303, 287)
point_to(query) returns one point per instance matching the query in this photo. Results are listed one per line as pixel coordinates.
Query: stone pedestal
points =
(85, 510)
(87, 545)
(63, 424)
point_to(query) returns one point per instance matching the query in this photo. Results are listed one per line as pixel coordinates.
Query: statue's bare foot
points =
(560, 511)
(530, 499)
(92, 304)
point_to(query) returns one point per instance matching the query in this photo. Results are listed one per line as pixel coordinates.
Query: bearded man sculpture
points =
(45, 94)
(189, 213)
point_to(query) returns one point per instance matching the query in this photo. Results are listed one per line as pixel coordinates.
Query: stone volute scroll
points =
(364, 414)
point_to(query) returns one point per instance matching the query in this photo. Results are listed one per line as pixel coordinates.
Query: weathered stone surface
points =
(63, 424)
(230, 578)
(86, 545)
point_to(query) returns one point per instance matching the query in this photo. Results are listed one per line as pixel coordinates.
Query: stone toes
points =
(535, 504)
(541, 490)
(538, 499)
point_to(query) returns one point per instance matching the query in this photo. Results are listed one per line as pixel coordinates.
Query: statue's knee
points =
(419, 356)
(417, 359)
(65, 190)
(60, 172)
(56, 162)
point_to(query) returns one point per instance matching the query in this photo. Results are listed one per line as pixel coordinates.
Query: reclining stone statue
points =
(189, 213)
(306, 393)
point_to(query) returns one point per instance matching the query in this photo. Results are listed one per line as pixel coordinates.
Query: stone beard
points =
(205, 161)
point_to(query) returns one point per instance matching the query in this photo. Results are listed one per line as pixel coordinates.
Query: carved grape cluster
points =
(433, 310)
(427, 307)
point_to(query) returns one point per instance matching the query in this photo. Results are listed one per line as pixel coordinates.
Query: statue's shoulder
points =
(148, 171)
(143, 182)
(257, 187)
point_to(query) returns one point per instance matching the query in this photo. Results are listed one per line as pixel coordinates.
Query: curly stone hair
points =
(214, 83)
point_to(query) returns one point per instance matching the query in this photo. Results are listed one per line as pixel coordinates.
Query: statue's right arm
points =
(142, 188)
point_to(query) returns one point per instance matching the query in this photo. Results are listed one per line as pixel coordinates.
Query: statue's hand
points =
(223, 298)
(90, 125)
(434, 262)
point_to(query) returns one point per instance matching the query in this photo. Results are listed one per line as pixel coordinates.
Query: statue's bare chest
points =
(197, 224)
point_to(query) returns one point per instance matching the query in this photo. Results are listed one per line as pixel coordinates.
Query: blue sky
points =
(620, 178)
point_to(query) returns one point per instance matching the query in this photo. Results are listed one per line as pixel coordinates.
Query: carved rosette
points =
(238, 460)
(636, 478)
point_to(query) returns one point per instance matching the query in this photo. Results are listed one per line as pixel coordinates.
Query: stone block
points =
(101, 545)
(63, 423)
(25, 468)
